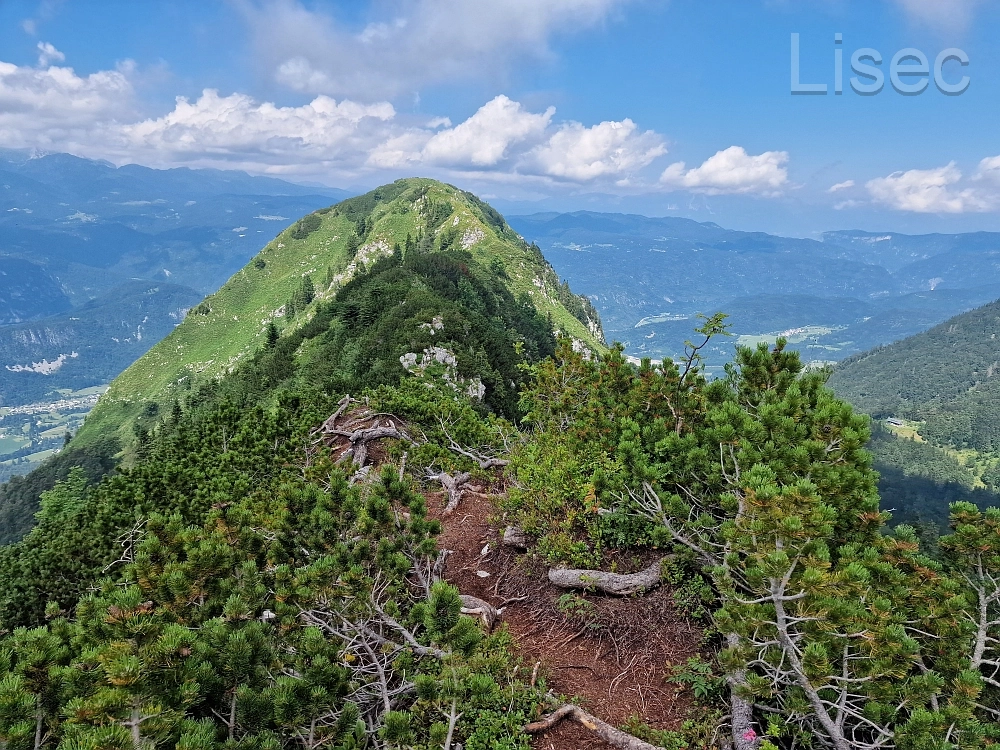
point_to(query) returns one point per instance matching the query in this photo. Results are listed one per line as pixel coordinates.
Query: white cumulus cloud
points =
(47, 53)
(419, 43)
(50, 107)
(54, 108)
(503, 132)
(579, 153)
(989, 170)
(929, 191)
(732, 170)
(493, 133)
(239, 129)
(485, 138)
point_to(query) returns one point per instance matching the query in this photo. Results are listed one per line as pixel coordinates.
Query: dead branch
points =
(602, 729)
(345, 402)
(358, 428)
(428, 571)
(453, 718)
(618, 584)
(485, 611)
(359, 440)
(129, 540)
(455, 486)
(484, 462)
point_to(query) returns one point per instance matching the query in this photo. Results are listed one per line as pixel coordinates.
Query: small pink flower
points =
(749, 735)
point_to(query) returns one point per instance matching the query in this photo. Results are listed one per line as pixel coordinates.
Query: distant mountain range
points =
(97, 263)
(650, 277)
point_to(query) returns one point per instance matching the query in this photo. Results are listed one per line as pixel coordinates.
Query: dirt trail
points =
(616, 654)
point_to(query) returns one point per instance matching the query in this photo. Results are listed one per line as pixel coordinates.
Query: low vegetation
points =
(263, 568)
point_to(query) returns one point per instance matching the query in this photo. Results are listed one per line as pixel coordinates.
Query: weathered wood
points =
(484, 462)
(743, 734)
(617, 584)
(360, 428)
(485, 611)
(455, 487)
(602, 729)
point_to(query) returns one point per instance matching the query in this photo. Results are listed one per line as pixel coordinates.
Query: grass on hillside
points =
(232, 323)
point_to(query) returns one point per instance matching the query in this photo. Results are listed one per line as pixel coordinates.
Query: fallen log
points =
(617, 584)
(602, 729)
(485, 611)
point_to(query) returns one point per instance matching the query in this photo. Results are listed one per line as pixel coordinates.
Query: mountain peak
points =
(311, 261)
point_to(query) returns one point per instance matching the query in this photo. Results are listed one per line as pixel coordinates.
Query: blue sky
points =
(663, 107)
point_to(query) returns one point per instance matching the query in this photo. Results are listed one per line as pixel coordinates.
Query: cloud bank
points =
(50, 107)
(426, 42)
(939, 190)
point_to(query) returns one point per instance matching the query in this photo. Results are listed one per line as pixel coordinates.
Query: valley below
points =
(850, 291)
(98, 263)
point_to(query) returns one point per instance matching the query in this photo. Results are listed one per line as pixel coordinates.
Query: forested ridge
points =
(262, 570)
(942, 383)
(292, 280)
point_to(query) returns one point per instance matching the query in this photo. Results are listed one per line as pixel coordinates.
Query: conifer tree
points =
(351, 248)
(271, 336)
(307, 290)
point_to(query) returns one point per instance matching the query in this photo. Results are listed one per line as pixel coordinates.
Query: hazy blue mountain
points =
(895, 251)
(92, 343)
(193, 227)
(651, 277)
(28, 292)
(103, 261)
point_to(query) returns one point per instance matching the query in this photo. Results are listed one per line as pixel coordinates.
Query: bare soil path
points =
(614, 654)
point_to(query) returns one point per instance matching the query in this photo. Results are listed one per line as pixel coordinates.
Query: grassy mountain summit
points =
(307, 264)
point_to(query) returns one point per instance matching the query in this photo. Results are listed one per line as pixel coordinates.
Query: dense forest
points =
(945, 378)
(262, 569)
(941, 384)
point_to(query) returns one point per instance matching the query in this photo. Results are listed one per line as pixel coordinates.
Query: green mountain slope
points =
(241, 508)
(923, 374)
(276, 567)
(941, 390)
(330, 247)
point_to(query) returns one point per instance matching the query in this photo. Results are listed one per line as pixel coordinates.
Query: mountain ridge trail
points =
(615, 655)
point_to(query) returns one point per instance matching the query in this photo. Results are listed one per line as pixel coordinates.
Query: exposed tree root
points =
(618, 584)
(350, 431)
(455, 486)
(601, 728)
